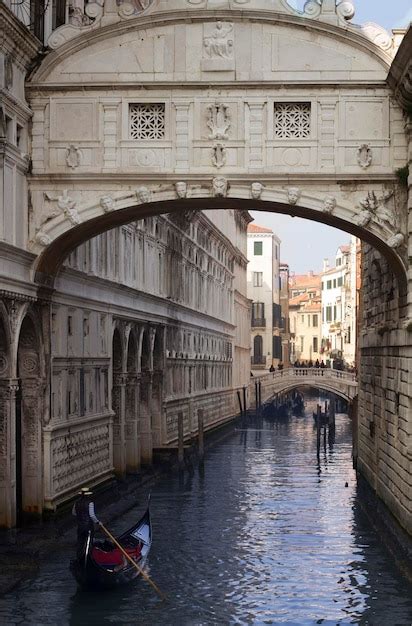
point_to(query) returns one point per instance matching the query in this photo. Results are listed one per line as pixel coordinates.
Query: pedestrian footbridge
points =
(268, 386)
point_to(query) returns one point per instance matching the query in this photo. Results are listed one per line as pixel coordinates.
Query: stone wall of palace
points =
(384, 443)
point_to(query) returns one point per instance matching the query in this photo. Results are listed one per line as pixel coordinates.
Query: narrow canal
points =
(263, 535)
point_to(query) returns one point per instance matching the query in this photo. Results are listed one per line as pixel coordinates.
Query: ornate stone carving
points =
(220, 187)
(256, 190)
(42, 238)
(396, 241)
(143, 195)
(67, 205)
(312, 8)
(107, 203)
(219, 120)
(329, 204)
(8, 71)
(346, 10)
(293, 194)
(73, 157)
(218, 44)
(181, 189)
(219, 155)
(378, 35)
(370, 203)
(364, 156)
(3, 363)
(363, 218)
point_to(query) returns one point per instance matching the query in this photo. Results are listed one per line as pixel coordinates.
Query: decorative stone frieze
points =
(218, 45)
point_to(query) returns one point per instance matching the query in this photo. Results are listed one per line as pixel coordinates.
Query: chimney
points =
(325, 265)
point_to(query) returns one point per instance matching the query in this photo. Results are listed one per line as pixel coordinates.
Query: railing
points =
(312, 372)
(258, 360)
(259, 322)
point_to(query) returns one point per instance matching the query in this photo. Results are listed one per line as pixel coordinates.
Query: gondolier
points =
(83, 509)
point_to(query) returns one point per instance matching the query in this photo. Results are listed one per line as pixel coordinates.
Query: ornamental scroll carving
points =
(364, 156)
(218, 120)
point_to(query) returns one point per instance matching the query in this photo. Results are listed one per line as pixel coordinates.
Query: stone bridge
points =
(343, 384)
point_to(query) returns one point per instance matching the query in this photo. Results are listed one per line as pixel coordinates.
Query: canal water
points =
(263, 534)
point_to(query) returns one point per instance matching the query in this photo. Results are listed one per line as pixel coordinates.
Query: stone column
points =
(146, 438)
(182, 136)
(119, 407)
(39, 144)
(327, 115)
(132, 434)
(8, 390)
(110, 132)
(256, 135)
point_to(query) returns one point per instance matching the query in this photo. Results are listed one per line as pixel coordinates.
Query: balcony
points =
(258, 322)
(258, 360)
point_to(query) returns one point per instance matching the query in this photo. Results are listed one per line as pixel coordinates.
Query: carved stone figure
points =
(73, 157)
(396, 241)
(256, 190)
(219, 120)
(143, 195)
(107, 203)
(364, 156)
(181, 189)
(363, 218)
(218, 45)
(329, 204)
(67, 205)
(387, 216)
(294, 194)
(220, 187)
(219, 155)
(370, 203)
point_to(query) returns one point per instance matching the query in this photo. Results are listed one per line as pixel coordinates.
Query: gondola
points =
(102, 565)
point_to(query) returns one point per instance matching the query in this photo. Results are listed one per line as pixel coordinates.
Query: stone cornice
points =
(86, 39)
(400, 74)
(17, 38)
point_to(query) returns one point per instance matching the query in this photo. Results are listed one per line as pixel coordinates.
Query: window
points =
(147, 121)
(257, 279)
(258, 314)
(302, 319)
(335, 316)
(329, 284)
(292, 120)
(277, 347)
(258, 248)
(340, 281)
(334, 283)
(277, 315)
(338, 262)
(315, 321)
(302, 343)
(315, 344)
(258, 348)
(328, 313)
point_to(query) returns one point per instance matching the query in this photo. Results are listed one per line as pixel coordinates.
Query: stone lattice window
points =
(147, 121)
(292, 119)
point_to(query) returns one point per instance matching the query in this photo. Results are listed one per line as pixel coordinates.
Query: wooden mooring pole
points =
(318, 426)
(201, 446)
(180, 440)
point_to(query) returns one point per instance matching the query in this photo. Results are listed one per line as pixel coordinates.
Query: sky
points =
(304, 243)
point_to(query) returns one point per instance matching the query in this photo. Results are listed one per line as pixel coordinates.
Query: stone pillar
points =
(256, 137)
(8, 390)
(119, 407)
(182, 136)
(327, 115)
(132, 425)
(110, 131)
(146, 438)
(38, 135)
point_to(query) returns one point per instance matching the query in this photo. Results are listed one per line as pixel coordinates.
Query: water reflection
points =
(262, 533)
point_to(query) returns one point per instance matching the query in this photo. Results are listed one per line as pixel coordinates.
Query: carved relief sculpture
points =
(396, 241)
(294, 194)
(219, 120)
(218, 45)
(181, 189)
(143, 195)
(42, 238)
(364, 156)
(107, 203)
(219, 155)
(329, 204)
(73, 157)
(256, 190)
(220, 187)
(67, 205)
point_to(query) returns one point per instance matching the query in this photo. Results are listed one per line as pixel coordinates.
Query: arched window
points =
(258, 348)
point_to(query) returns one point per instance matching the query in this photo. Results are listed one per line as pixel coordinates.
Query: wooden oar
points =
(129, 558)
